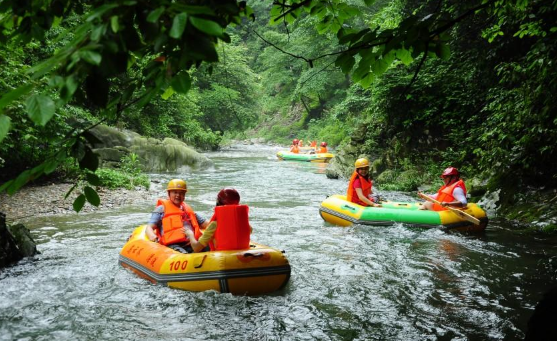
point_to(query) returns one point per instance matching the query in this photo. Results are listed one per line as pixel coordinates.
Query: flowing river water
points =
(355, 283)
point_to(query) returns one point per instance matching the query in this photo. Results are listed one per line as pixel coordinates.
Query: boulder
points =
(15, 243)
(168, 155)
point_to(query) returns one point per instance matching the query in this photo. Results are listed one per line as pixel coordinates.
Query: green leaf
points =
(90, 57)
(167, 93)
(207, 26)
(9, 97)
(98, 12)
(70, 191)
(405, 56)
(23, 178)
(443, 51)
(40, 109)
(178, 25)
(78, 203)
(89, 161)
(5, 123)
(346, 62)
(92, 196)
(181, 82)
(366, 81)
(6, 185)
(93, 179)
(154, 16)
(114, 23)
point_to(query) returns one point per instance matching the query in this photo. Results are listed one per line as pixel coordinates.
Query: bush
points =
(112, 178)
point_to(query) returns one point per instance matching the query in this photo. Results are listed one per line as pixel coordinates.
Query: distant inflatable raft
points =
(257, 270)
(337, 210)
(317, 157)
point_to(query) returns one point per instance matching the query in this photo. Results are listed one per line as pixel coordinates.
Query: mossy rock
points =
(168, 155)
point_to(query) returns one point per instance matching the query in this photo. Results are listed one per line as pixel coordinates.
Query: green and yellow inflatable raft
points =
(317, 157)
(257, 270)
(336, 210)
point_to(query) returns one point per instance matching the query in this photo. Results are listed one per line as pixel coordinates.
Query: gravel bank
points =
(49, 200)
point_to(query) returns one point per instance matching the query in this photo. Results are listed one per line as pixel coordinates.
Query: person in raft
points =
(323, 148)
(360, 186)
(233, 232)
(294, 147)
(452, 193)
(167, 221)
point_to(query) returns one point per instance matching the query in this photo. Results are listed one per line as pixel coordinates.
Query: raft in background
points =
(316, 157)
(337, 210)
(257, 270)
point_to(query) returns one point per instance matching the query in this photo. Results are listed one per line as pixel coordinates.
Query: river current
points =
(355, 283)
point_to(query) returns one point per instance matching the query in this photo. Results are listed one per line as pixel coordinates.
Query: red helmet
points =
(295, 141)
(228, 196)
(323, 144)
(450, 171)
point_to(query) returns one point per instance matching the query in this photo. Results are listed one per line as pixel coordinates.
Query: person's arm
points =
(206, 237)
(150, 232)
(154, 221)
(460, 199)
(363, 198)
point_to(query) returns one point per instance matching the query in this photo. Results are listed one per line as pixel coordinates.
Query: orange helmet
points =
(323, 144)
(177, 185)
(450, 171)
(361, 163)
(295, 141)
(228, 196)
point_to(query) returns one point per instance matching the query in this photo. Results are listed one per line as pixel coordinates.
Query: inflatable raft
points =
(336, 210)
(317, 157)
(257, 270)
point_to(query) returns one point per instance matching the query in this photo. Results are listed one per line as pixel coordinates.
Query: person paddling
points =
(452, 193)
(360, 186)
(294, 148)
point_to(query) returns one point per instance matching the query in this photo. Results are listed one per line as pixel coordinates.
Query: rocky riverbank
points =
(49, 200)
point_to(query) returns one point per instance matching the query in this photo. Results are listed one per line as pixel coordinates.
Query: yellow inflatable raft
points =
(337, 210)
(257, 270)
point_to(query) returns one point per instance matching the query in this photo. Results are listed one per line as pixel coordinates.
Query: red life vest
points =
(351, 194)
(445, 193)
(233, 230)
(173, 222)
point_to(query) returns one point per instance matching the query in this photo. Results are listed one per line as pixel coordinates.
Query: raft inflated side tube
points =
(338, 211)
(233, 230)
(257, 270)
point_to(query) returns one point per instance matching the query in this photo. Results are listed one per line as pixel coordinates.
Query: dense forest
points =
(415, 85)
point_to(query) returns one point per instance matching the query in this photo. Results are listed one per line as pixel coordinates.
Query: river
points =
(356, 283)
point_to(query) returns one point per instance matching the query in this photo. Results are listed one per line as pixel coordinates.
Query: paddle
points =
(460, 213)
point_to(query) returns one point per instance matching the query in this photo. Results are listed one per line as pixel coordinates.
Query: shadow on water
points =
(356, 283)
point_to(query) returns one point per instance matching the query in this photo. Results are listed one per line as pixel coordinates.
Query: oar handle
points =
(460, 213)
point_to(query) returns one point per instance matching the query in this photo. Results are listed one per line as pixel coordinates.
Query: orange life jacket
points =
(313, 144)
(322, 150)
(294, 149)
(233, 230)
(173, 222)
(445, 193)
(351, 194)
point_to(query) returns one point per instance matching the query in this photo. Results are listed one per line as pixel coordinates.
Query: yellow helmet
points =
(361, 163)
(177, 185)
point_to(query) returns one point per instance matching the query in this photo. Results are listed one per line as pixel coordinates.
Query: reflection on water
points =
(362, 282)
